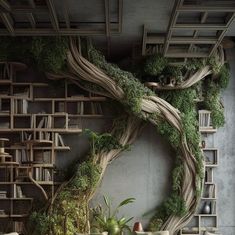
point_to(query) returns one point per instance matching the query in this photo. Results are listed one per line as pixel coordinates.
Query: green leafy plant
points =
(107, 220)
(224, 76)
(155, 64)
(102, 142)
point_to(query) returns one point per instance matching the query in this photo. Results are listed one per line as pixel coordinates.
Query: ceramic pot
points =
(137, 227)
(206, 208)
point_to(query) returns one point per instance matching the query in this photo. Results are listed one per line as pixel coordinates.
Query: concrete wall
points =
(144, 172)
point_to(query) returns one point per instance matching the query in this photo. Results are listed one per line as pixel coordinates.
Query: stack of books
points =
(3, 194)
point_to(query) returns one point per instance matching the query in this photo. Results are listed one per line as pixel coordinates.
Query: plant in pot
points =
(106, 219)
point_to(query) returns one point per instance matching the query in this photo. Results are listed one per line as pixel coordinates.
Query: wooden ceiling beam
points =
(8, 22)
(52, 13)
(206, 8)
(107, 24)
(120, 15)
(50, 32)
(5, 5)
(66, 14)
(32, 3)
(31, 20)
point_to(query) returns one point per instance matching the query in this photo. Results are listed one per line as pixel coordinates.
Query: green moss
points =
(86, 178)
(50, 53)
(154, 65)
(102, 142)
(134, 91)
(212, 102)
(224, 76)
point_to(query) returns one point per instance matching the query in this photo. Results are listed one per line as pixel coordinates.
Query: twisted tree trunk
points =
(82, 68)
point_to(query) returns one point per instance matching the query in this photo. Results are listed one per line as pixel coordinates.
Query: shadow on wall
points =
(144, 173)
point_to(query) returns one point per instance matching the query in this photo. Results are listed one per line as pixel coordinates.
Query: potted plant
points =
(106, 220)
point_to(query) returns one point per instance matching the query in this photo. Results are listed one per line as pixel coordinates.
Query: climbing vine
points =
(173, 112)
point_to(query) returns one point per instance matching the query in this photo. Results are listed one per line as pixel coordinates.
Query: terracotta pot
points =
(137, 227)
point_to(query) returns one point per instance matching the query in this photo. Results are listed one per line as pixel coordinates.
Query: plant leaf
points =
(126, 201)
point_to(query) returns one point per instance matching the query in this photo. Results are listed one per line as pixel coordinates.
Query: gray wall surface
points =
(144, 172)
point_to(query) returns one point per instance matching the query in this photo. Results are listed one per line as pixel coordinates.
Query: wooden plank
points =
(53, 15)
(204, 17)
(221, 35)
(155, 39)
(31, 20)
(6, 18)
(187, 40)
(120, 15)
(66, 14)
(199, 26)
(144, 41)
(50, 32)
(107, 25)
(173, 20)
(5, 5)
(186, 55)
(32, 3)
(196, 8)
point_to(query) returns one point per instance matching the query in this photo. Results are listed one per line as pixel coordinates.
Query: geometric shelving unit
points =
(35, 117)
(206, 217)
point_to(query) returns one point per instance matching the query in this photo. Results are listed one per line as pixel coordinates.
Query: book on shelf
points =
(5, 72)
(22, 156)
(4, 125)
(42, 156)
(38, 156)
(2, 212)
(45, 122)
(22, 94)
(42, 174)
(3, 194)
(18, 226)
(26, 136)
(96, 108)
(5, 105)
(213, 207)
(73, 123)
(19, 193)
(211, 191)
(61, 106)
(43, 135)
(204, 118)
(80, 107)
(58, 140)
(46, 175)
(20, 106)
(41, 123)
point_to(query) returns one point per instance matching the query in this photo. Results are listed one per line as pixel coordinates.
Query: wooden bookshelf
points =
(36, 116)
(206, 220)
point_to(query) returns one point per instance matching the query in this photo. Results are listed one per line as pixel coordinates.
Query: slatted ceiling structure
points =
(51, 17)
(195, 30)
(205, 21)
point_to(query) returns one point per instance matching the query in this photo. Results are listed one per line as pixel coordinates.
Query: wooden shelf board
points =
(207, 130)
(45, 182)
(16, 97)
(17, 199)
(207, 215)
(209, 149)
(14, 216)
(211, 165)
(208, 198)
(5, 81)
(62, 148)
(72, 99)
(46, 165)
